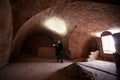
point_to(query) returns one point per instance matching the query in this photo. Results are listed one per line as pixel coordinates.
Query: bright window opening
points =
(108, 44)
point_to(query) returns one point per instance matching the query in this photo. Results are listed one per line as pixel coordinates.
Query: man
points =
(59, 50)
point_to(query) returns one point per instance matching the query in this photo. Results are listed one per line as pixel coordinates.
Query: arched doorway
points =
(107, 46)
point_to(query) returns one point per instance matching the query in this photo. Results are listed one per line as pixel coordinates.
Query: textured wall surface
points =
(25, 9)
(32, 43)
(95, 17)
(5, 31)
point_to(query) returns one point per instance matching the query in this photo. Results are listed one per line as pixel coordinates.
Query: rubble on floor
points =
(76, 72)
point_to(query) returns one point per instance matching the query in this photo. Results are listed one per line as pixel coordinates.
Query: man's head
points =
(59, 41)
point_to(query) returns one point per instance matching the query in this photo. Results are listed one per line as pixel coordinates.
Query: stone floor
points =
(45, 69)
(102, 70)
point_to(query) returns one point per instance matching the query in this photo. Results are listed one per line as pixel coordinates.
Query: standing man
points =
(59, 50)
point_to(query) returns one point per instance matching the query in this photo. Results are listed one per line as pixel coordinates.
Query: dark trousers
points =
(59, 56)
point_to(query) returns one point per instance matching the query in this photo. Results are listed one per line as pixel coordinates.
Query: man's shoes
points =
(61, 61)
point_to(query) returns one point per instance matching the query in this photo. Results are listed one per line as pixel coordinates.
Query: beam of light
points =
(108, 44)
(56, 24)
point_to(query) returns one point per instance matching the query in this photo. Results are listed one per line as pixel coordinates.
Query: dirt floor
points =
(49, 69)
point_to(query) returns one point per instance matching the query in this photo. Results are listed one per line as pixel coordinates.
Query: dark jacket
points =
(59, 47)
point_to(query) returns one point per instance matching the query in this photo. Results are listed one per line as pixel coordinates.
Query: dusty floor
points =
(47, 69)
(103, 70)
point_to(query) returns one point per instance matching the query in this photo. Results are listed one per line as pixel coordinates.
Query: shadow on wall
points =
(90, 45)
(38, 45)
(117, 41)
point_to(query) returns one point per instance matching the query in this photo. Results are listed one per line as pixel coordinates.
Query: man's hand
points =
(53, 44)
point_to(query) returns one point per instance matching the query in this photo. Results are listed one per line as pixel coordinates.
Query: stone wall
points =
(82, 20)
(117, 43)
(5, 31)
(32, 43)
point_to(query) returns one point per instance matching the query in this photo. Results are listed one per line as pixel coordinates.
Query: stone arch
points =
(87, 18)
(108, 39)
(106, 33)
(34, 25)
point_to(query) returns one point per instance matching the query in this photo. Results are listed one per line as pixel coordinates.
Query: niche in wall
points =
(38, 45)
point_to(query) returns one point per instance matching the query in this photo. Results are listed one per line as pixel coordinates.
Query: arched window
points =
(108, 44)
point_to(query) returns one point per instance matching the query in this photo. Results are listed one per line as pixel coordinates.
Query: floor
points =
(102, 70)
(47, 69)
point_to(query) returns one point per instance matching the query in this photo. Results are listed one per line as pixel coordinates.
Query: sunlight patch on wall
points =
(57, 25)
(98, 34)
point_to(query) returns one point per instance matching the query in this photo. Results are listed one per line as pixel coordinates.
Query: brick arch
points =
(33, 25)
(88, 18)
(106, 33)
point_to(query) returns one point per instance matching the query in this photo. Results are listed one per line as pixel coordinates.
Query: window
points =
(108, 44)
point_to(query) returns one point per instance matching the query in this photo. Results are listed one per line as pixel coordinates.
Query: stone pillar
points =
(5, 31)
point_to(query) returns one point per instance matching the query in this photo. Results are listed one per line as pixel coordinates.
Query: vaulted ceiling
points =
(23, 10)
